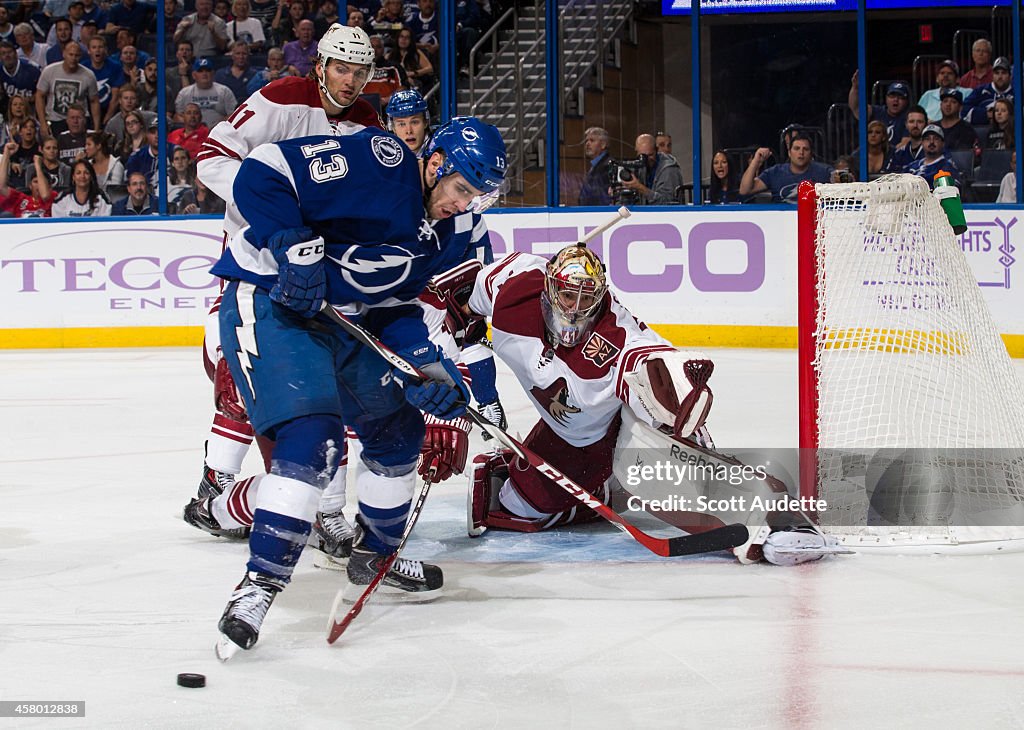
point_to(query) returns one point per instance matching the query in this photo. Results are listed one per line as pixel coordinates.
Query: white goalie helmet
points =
(347, 44)
(573, 296)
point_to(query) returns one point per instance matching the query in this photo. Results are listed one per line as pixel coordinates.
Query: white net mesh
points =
(908, 358)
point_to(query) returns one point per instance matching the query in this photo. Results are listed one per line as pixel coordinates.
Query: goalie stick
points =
(721, 538)
(335, 627)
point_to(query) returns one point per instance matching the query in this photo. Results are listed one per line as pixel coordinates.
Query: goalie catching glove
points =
(672, 387)
(445, 448)
(301, 283)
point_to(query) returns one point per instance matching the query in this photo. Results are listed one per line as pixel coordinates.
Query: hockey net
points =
(912, 417)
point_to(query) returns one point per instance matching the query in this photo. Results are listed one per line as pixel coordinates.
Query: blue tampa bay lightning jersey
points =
(361, 193)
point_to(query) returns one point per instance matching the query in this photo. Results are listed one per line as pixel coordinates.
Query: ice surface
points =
(105, 594)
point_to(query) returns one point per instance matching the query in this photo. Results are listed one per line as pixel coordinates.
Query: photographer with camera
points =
(652, 179)
(784, 179)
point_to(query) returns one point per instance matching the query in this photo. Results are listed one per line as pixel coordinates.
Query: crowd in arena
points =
(79, 87)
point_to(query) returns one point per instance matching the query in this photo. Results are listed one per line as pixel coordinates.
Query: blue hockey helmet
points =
(406, 103)
(474, 149)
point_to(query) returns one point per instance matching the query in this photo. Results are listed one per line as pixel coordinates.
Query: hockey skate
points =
(333, 540)
(408, 580)
(800, 545)
(213, 482)
(242, 618)
(198, 514)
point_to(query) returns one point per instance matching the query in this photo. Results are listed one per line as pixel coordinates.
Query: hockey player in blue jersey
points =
(409, 118)
(361, 223)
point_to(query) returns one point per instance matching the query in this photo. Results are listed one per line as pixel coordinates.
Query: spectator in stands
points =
(89, 31)
(203, 201)
(244, 28)
(418, 68)
(957, 134)
(326, 17)
(181, 176)
(207, 33)
(595, 185)
(71, 141)
(18, 110)
(179, 75)
(1008, 185)
(275, 69)
(389, 20)
(6, 26)
(845, 169)
(725, 184)
(58, 173)
(878, 148)
(127, 101)
(917, 120)
(663, 140)
(216, 100)
(18, 77)
(61, 32)
(356, 19)
(934, 159)
(135, 136)
(27, 150)
(978, 106)
(131, 65)
(893, 114)
(981, 73)
(222, 9)
(17, 204)
(191, 136)
(173, 14)
(663, 177)
(263, 11)
(238, 75)
(128, 15)
(54, 9)
(388, 77)
(63, 84)
(109, 170)
(28, 49)
(109, 78)
(945, 78)
(301, 53)
(148, 89)
(285, 25)
(145, 159)
(467, 31)
(784, 179)
(138, 201)
(85, 199)
(1000, 134)
(93, 14)
(425, 25)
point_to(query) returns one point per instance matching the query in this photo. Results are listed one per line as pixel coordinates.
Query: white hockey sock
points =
(513, 503)
(334, 497)
(228, 443)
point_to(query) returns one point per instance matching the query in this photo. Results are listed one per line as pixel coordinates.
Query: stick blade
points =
(722, 538)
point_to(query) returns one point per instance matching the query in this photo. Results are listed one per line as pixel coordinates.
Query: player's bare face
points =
(452, 195)
(344, 81)
(412, 130)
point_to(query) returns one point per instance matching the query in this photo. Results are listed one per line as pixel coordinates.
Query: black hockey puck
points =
(188, 679)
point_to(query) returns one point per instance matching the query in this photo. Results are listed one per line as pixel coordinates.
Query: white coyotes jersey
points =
(287, 108)
(577, 390)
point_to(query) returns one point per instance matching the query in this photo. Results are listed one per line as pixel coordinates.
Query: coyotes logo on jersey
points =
(599, 350)
(555, 400)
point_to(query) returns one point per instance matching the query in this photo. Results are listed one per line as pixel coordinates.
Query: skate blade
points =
(388, 594)
(837, 550)
(226, 648)
(328, 562)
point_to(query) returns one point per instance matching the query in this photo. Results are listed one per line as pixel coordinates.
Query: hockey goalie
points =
(605, 385)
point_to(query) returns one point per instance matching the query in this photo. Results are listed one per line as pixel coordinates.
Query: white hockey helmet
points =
(574, 289)
(347, 44)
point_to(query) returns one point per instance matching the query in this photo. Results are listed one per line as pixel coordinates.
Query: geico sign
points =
(90, 274)
(653, 257)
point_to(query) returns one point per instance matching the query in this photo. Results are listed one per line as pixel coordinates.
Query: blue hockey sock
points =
(383, 526)
(276, 543)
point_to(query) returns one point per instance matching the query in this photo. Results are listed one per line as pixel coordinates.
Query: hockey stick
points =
(721, 538)
(621, 214)
(336, 627)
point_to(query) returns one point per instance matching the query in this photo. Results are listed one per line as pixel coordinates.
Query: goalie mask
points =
(573, 296)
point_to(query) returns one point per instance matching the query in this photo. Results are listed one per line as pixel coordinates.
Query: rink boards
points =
(714, 278)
